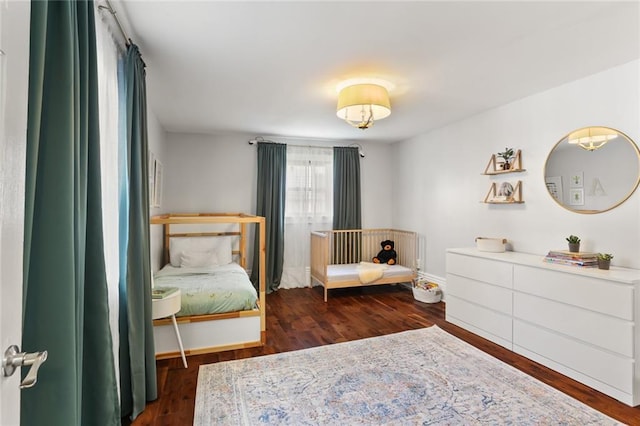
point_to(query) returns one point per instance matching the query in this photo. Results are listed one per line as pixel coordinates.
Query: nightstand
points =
(168, 306)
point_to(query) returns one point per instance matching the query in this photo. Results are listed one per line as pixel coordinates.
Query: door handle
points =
(13, 359)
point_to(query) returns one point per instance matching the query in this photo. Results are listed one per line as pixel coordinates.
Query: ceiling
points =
(270, 68)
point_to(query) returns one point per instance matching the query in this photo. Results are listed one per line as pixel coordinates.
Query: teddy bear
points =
(387, 255)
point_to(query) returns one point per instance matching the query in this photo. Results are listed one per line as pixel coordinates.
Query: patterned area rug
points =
(424, 376)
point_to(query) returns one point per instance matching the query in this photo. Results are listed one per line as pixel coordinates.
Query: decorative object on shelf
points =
(563, 257)
(362, 104)
(427, 292)
(616, 164)
(507, 155)
(505, 193)
(493, 245)
(505, 190)
(604, 260)
(512, 163)
(574, 243)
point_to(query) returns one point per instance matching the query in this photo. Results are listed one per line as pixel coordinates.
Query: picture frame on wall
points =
(151, 161)
(554, 186)
(576, 180)
(152, 177)
(576, 196)
(157, 187)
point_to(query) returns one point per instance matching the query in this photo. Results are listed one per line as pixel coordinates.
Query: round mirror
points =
(592, 170)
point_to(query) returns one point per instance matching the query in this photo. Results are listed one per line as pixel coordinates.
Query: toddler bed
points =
(205, 257)
(209, 290)
(341, 258)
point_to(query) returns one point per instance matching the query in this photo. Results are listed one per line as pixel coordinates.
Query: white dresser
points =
(580, 322)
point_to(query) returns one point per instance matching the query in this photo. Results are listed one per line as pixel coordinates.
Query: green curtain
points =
(137, 355)
(346, 188)
(272, 187)
(346, 197)
(65, 305)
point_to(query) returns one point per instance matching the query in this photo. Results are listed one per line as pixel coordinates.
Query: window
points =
(309, 185)
(308, 207)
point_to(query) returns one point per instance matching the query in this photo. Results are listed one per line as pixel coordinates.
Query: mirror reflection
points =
(592, 170)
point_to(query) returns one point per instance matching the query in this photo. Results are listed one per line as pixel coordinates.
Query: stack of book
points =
(162, 292)
(564, 257)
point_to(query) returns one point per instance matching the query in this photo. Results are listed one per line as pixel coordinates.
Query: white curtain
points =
(309, 206)
(108, 52)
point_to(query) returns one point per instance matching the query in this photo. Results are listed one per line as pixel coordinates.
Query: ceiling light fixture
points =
(592, 138)
(363, 104)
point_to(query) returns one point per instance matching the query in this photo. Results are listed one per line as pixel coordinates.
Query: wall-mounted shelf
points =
(493, 166)
(507, 193)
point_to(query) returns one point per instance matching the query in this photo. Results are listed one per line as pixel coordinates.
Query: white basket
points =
(433, 295)
(494, 245)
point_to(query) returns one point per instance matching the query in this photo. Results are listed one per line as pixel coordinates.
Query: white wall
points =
(438, 182)
(217, 173)
(209, 174)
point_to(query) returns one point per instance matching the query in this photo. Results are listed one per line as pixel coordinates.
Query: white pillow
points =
(198, 259)
(220, 245)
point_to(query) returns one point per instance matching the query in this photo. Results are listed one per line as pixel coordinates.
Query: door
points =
(14, 71)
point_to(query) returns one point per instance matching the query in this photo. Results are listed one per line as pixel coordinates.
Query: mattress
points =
(210, 290)
(350, 272)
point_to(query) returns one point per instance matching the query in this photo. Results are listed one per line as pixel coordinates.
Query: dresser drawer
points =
(479, 293)
(488, 271)
(607, 332)
(598, 295)
(487, 323)
(603, 366)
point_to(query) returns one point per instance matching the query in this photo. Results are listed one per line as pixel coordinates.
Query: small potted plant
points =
(507, 155)
(604, 260)
(574, 243)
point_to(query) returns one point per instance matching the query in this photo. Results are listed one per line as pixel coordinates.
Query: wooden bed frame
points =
(338, 247)
(214, 332)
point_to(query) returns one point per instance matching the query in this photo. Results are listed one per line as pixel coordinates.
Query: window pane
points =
(309, 184)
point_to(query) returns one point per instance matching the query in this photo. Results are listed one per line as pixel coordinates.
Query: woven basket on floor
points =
(426, 292)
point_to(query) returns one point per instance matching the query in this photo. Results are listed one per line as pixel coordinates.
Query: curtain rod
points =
(110, 9)
(261, 139)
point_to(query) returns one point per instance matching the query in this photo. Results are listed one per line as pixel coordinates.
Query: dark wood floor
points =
(298, 319)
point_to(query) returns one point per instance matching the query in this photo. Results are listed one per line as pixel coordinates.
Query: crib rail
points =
(355, 245)
(319, 255)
